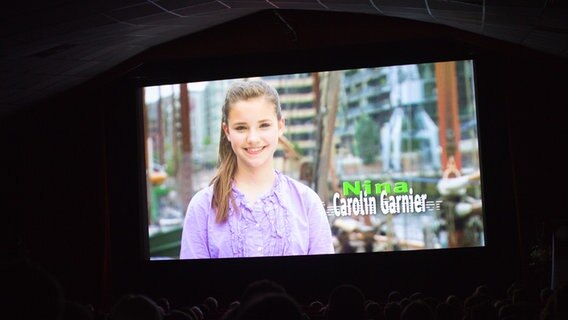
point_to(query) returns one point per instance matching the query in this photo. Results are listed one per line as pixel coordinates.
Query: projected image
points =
(391, 153)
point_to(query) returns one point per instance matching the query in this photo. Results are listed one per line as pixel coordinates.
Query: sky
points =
(152, 93)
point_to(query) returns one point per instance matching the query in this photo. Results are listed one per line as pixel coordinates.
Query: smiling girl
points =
(250, 209)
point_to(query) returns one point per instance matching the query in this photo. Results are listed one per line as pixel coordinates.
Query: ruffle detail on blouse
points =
(275, 210)
(237, 238)
(278, 200)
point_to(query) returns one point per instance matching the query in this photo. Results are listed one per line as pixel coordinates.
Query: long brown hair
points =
(227, 163)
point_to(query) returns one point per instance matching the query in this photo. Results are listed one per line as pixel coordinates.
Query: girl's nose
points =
(252, 136)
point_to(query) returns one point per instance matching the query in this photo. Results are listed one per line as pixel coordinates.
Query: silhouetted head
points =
(394, 296)
(164, 303)
(259, 288)
(273, 306)
(212, 303)
(446, 311)
(316, 305)
(392, 311)
(455, 301)
(178, 315)
(417, 310)
(346, 302)
(135, 307)
(373, 310)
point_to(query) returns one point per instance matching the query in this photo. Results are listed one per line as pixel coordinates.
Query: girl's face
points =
(253, 129)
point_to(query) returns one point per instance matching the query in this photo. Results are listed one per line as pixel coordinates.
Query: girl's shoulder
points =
(298, 193)
(204, 192)
(295, 185)
(203, 196)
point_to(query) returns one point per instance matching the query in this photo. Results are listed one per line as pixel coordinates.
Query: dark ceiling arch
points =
(50, 47)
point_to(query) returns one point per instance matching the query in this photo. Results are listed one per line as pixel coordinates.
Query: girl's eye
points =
(240, 128)
(265, 125)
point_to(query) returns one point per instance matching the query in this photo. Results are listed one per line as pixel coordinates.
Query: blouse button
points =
(259, 248)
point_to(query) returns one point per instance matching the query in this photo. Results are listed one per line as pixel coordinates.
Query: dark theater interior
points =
(75, 203)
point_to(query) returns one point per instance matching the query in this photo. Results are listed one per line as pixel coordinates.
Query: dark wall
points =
(53, 177)
(73, 180)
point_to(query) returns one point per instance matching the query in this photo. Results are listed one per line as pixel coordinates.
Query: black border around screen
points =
(162, 81)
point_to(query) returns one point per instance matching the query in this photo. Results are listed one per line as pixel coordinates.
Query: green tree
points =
(297, 148)
(367, 139)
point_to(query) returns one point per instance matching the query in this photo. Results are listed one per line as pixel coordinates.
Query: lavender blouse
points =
(289, 220)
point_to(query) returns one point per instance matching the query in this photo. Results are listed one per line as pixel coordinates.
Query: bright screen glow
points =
(392, 152)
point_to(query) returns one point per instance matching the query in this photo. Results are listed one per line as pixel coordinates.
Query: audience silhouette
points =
(30, 292)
